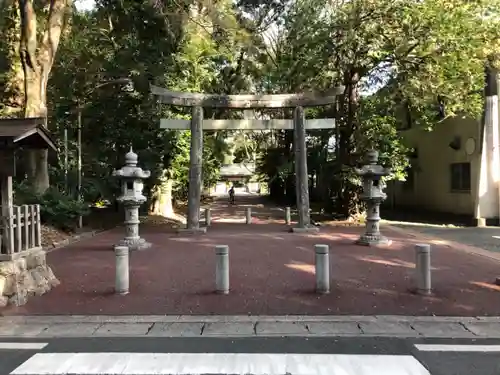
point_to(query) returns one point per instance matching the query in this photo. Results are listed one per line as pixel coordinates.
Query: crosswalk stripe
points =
(457, 348)
(218, 363)
(23, 345)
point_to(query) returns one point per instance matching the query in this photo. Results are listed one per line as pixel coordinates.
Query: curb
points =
(73, 239)
(250, 326)
(131, 319)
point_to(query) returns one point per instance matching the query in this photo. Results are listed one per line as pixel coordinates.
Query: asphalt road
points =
(330, 355)
(485, 238)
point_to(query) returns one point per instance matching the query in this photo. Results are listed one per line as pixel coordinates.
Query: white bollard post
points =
(248, 215)
(208, 217)
(423, 268)
(288, 216)
(122, 270)
(222, 269)
(322, 269)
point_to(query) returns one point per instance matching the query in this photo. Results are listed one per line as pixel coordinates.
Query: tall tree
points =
(427, 49)
(42, 24)
(182, 45)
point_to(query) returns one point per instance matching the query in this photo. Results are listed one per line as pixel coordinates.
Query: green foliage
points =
(163, 42)
(378, 130)
(56, 207)
(418, 50)
(10, 63)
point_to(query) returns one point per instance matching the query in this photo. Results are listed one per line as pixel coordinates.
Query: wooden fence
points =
(20, 231)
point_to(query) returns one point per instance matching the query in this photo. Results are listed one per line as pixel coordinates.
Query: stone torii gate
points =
(197, 124)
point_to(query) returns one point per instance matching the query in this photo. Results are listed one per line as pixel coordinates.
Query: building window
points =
(409, 184)
(460, 177)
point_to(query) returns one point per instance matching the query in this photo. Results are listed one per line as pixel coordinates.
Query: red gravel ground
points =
(272, 273)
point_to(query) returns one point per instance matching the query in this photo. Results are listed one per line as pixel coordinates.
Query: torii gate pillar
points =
(195, 171)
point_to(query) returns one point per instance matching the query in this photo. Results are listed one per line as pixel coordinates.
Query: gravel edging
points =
(72, 239)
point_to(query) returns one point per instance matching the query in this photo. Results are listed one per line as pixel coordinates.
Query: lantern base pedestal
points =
(135, 244)
(373, 240)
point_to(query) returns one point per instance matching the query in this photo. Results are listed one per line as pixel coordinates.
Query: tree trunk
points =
(347, 194)
(35, 107)
(289, 194)
(162, 204)
(37, 57)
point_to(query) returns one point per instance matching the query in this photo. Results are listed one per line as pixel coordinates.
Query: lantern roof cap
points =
(131, 158)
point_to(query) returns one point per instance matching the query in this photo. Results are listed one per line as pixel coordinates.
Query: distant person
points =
(231, 195)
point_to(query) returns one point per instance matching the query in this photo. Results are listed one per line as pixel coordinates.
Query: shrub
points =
(56, 207)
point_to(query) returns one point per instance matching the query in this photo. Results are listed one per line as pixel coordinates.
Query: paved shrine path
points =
(271, 272)
(262, 211)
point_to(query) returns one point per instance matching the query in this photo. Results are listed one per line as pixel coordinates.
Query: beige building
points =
(450, 173)
(445, 168)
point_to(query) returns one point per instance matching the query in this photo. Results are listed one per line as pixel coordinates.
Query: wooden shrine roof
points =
(25, 132)
(237, 170)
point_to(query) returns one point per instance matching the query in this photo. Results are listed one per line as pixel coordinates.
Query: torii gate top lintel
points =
(310, 99)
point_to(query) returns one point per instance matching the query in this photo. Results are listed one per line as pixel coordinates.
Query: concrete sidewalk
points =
(248, 326)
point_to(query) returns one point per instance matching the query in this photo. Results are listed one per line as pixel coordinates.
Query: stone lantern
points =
(132, 177)
(373, 195)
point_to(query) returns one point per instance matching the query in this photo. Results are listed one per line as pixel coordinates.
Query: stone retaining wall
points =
(24, 277)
